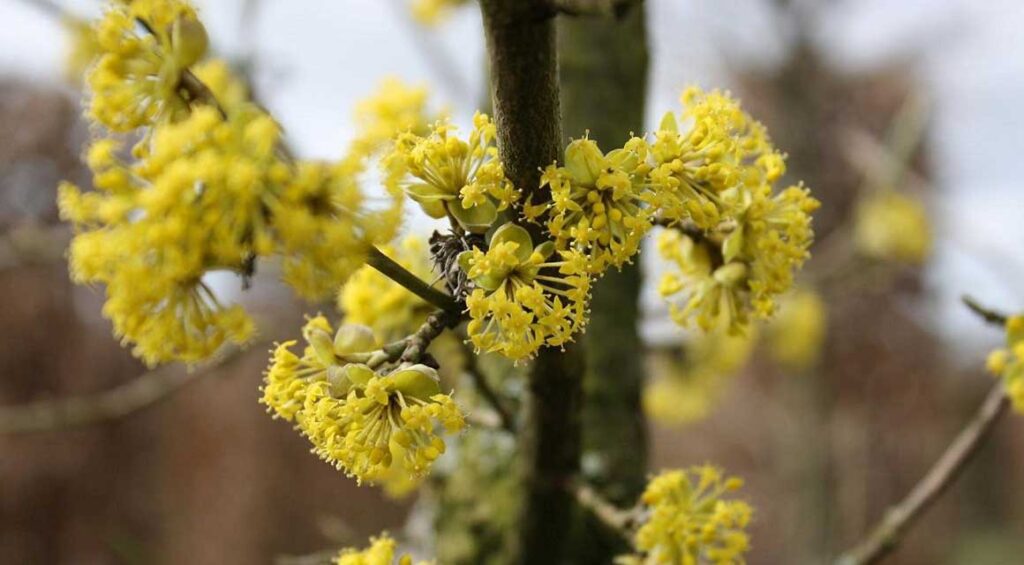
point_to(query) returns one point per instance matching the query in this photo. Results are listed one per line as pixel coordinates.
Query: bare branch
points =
(487, 392)
(617, 519)
(900, 518)
(991, 316)
(414, 284)
(116, 403)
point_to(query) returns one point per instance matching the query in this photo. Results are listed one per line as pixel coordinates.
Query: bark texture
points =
(603, 68)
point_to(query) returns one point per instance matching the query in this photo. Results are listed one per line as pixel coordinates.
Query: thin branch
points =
(488, 394)
(617, 519)
(884, 538)
(116, 403)
(594, 8)
(414, 284)
(990, 316)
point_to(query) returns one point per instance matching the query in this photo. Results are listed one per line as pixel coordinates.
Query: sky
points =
(315, 58)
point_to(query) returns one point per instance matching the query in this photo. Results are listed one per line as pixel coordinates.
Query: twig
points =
(116, 403)
(991, 316)
(414, 284)
(488, 394)
(898, 519)
(594, 8)
(617, 519)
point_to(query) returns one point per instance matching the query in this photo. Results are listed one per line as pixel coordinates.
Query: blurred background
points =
(868, 97)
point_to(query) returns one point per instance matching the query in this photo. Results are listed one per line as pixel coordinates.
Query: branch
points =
(594, 8)
(487, 392)
(392, 270)
(114, 404)
(898, 519)
(990, 316)
(618, 520)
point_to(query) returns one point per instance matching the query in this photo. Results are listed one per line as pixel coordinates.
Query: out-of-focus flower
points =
(391, 310)
(1008, 363)
(893, 227)
(433, 12)
(686, 387)
(136, 81)
(382, 551)
(796, 335)
(691, 521)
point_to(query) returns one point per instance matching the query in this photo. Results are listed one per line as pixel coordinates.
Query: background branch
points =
(898, 519)
(116, 403)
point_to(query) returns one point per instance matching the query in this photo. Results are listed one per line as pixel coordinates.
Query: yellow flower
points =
(229, 89)
(597, 202)
(893, 227)
(135, 81)
(690, 521)
(326, 225)
(701, 289)
(796, 335)
(382, 551)
(196, 203)
(372, 299)
(432, 12)
(366, 423)
(723, 149)
(82, 51)
(1008, 363)
(525, 297)
(685, 387)
(450, 177)
(394, 108)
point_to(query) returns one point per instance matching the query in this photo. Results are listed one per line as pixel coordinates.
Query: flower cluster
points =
(394, 108)
(597, 202)
(689, 520)
(449, 177)
(892, 226)
(686, 387)
(1008, 363)
(526, 297)
(432, 12)
(796, 335)
(359, 417)
(206, 188)
(382, 551)
(371, 299)
(136, 81)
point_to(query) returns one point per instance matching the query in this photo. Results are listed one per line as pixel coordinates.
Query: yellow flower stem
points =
(392, 270)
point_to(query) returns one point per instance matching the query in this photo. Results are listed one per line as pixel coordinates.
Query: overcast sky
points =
(316, 57)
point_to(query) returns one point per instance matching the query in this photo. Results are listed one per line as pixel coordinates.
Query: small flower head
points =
(450, 177)
(365, 422)
(691, 521)
(1008, 363)
(796, 335)
(433, 12)
(135, 82)
(724, 148)
(685, 388)
(382, 551)
(893, 227)
(394, 108)
(526, 297)
(597, 202)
